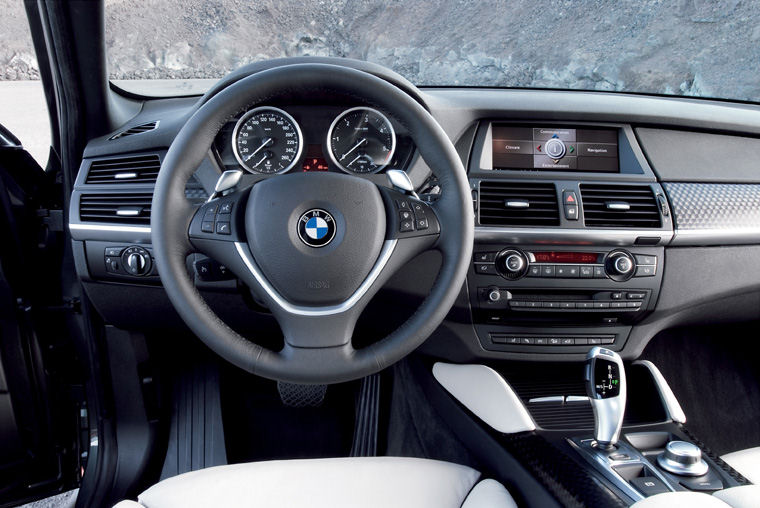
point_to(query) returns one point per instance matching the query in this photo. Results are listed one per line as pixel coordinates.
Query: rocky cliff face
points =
(684, 47)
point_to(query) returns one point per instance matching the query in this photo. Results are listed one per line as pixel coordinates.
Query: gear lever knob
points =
(606, 389)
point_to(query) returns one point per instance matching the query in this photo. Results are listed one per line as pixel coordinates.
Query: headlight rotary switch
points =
(511, 264)
(136, 261)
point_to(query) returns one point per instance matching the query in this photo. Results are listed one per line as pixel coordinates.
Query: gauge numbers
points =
(267, 140)
(361, 140)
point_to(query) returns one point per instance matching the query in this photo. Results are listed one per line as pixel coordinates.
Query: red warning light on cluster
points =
(314, 160)
(314, 164)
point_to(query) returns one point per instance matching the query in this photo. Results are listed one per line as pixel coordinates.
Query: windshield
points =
(706, 48)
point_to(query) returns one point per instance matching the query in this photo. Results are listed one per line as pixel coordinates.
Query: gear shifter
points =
(606, 389)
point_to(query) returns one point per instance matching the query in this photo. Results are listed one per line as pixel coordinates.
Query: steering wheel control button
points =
(316, 228)
(404, 215)
(207, 226)
(223, 228)
(225, 207)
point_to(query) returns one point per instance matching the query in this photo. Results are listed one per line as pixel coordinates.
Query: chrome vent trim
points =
(517, 204)
(123, 170)
(619, 206)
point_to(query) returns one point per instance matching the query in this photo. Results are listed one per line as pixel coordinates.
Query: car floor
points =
(714, 374)
(62, 500)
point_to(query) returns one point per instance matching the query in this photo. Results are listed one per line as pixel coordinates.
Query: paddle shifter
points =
(606, 388)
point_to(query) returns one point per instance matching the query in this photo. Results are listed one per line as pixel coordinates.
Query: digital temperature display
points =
(566, 257)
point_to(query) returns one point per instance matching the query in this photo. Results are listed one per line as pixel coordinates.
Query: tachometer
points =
(267, 140)
(361, 140)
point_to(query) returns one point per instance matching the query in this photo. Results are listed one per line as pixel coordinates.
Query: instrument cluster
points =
(269, 140)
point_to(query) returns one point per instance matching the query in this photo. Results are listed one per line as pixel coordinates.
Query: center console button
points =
(616, 296)
(635, 296)
(534, 271)
(645, 260)
(645, 271)
(484, 257)
(649, 485)
(599, 272)
(571, 212)
(548, 271)
(587, 272)
(568, 271)
(485, 268)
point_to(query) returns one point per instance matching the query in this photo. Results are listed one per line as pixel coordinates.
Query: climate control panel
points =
(618, 265)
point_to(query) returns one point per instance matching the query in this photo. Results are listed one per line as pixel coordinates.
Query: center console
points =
(570, 234)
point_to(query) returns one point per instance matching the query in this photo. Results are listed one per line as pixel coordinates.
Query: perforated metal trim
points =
(706, 206)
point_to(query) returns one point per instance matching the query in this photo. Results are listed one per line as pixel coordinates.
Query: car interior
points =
(317, 284)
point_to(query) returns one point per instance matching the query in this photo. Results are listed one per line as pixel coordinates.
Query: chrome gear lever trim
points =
(606, 389)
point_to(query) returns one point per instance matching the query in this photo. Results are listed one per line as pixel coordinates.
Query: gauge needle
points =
(357, 145)
(267, 142)
(266, 156)
(355, 159)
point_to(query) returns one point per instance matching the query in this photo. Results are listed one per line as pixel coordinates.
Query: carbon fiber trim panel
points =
(715, 213)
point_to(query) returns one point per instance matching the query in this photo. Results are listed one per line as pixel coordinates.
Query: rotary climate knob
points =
(619, 265)
(511, 264)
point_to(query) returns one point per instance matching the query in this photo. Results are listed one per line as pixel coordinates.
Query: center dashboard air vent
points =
(626, 206)
(518, 204)
(128, 209)
(135, 169)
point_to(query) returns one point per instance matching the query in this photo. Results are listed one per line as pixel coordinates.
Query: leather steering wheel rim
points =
(172, 215)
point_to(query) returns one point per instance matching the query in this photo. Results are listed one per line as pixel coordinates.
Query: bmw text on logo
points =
(316, 227)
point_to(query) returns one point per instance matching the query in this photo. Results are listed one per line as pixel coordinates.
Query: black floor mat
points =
(715, 374)
(258, 426)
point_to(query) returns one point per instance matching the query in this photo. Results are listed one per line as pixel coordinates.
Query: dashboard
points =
(600, 218)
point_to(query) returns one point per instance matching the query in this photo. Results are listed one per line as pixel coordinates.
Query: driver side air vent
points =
(137, 129)
(518, 204)
(619, 206)
(137, 169)
(128, 209)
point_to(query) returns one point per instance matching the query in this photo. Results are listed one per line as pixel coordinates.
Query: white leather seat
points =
(747, 462)
(342, 482)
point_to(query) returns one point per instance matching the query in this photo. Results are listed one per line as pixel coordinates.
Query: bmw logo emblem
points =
(316, 228)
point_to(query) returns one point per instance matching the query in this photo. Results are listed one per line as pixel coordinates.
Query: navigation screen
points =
(554, 148)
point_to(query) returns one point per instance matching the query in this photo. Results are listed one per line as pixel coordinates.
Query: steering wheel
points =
(315, 247)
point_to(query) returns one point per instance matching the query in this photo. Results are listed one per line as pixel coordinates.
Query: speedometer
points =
(267, 140)
(361, 140)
